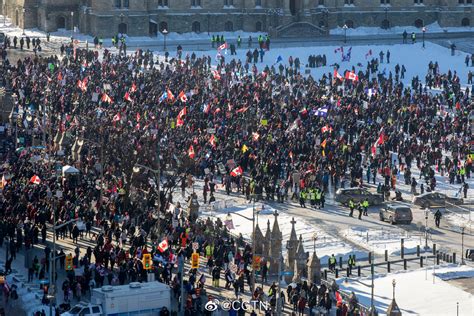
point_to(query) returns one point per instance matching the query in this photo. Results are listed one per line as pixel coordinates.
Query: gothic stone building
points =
(278, 17)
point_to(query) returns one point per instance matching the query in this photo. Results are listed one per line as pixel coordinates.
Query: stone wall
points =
(102, 17)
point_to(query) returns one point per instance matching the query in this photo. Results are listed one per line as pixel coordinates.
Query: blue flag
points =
(163, 97)
(279, 59)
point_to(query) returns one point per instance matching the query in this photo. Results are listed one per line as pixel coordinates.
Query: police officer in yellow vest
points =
(209, 251)
(318, 198)
(303, 198)
(312, 197)
(351, 206)
(351, 262)
(365, 205)
(332, 262)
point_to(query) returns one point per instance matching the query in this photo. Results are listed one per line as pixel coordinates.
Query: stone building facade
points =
(283, 18)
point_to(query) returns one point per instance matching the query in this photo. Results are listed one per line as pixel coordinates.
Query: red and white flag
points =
(179, 119)
(35, 179)
(106, 98)
(352, 76)
(236, 172)
(213, 141)
(82, 84)
(216, 75)
(223, 46)
(326, 128)
(191, 153)
(337, 75)
(163, 246)
(170, 95)
(206, 108)
(127, 97)
(133, 88)
(3, 183)
(255, 136)
(377, 143)
(182, 97)
(116, 117)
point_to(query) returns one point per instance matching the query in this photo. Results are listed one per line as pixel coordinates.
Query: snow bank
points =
(383, 239)
(366, 30)
(417, 292)
(460, 273)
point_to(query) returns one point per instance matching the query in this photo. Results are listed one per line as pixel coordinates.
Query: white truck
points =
(144, 299)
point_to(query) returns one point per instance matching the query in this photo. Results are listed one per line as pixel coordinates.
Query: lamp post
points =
(424, 31)
(426, 227)
(4, 14)
(315, 237)
(373, 311)
(165, 32)
(72, 25)
(386, 18)
(345, 32)
(462, 245)
(24, 10)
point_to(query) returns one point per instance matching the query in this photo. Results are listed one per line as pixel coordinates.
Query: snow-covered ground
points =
(416, 292)
(383, 239)
(431, 28)
(326, 244)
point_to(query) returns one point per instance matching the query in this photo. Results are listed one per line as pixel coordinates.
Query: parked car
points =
(470, 254)
(396, 214)
(435, 199)
(357, 195)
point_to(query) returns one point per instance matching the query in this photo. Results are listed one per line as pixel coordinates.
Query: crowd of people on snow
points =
(260, 131)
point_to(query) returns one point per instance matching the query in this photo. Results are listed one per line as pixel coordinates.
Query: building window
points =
(162, 3)
(350, 24)
(321, 2)
(118, 4)
(385, 2)
(465, 22)
(122, 28)
(196, 27)
(195, 3)
(385, 24)
(418, 1)
(419, 23)
(126, 4)
(348, 1)
(229, 26)
(258, 3)
(258, 26)
(228, 2)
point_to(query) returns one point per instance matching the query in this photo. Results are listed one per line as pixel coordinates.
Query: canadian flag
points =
(223, 46)
(4, 182)
(255, 136)
(213, 141)
(82, 84)
(236, 172)
(170, 95)
(133, 88)
(182, 97)
(116, 117)
(377, 143)
(35, 179)
(337, 75)
(106, 98)
(127, 97)
(191, 153)
(216, 75)
(179, 120)
(326, 128)
(352, 76)
(163, 246)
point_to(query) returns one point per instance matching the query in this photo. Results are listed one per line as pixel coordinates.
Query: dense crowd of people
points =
(264, 131)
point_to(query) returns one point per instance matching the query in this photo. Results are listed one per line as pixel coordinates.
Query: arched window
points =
(419, 23)
(258, 3)
(164, 26)
(122, 28)
(195, 3)
(229, 26)
(350, 24)
(60, 22)
(385, 24)
(196, 27)
(465, 22)
(258, 26)
(126, 4)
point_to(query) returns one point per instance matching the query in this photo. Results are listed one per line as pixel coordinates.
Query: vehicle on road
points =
(144, 299)
(357, 195)
(2, 38)
(470, 254)
(435, 199)
(396, 214)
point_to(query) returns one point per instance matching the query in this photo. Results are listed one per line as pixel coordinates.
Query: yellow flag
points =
(244, 148)
(264, 122)
(324, 154)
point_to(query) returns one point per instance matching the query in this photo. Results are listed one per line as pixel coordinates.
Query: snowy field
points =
(326, 244)
(417, 292)
(384, 239)
(431, 28)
